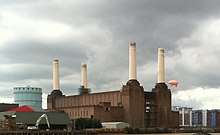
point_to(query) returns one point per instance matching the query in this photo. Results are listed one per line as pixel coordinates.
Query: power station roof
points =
(22, 109)
(55, 118)
(30, 118)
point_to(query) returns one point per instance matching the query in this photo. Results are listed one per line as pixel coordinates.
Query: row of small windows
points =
(27, 88)
(69, 102)
(78, 113)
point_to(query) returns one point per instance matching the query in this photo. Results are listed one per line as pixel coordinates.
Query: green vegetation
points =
(145, 130)
(84, 123)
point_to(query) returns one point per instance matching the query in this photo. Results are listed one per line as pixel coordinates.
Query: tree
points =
(83, 123)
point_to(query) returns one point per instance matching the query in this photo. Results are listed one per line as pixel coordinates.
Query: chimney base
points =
(133, 82)
(162, 105)
(83, 90)
(54, 95)
(161, 86)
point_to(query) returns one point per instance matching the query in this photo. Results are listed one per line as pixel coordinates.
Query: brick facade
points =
(131, 105)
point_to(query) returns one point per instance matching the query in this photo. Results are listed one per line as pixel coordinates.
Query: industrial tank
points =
(29, 96)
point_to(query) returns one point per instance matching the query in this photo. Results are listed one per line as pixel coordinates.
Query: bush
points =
(136, 131)
(128, 130)
(83, 123)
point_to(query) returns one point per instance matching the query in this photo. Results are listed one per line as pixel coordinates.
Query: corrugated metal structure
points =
(30, 96)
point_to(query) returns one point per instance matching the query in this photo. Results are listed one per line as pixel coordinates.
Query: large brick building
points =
(131, 104)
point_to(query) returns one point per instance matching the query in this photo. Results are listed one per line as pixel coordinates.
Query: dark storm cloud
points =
(42, 52)
(152, 24)
(34, 59)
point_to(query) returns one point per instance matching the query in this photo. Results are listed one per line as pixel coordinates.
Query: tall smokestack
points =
(84, 76)
(132, 61)
(56, 81)
(161, 65)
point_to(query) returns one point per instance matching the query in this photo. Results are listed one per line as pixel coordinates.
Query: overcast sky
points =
(98, 32)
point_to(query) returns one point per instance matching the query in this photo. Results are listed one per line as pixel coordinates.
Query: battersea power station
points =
(130, 104)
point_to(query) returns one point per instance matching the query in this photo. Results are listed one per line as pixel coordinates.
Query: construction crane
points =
(38, 122)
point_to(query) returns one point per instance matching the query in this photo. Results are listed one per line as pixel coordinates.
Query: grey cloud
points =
(105, 29)
(195, 104)
(34, 51)
(7, 93)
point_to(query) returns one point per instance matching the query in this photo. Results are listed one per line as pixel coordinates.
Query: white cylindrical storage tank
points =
(29, 96)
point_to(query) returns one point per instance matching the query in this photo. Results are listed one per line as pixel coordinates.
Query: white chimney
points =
(161, 65)
(84, 75)
(56, 81)
(132, 61)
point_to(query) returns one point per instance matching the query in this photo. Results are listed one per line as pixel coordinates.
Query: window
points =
(147, 103)
(119, 104)
(107, 108)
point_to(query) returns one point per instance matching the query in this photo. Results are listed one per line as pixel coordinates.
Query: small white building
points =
(116, 125)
